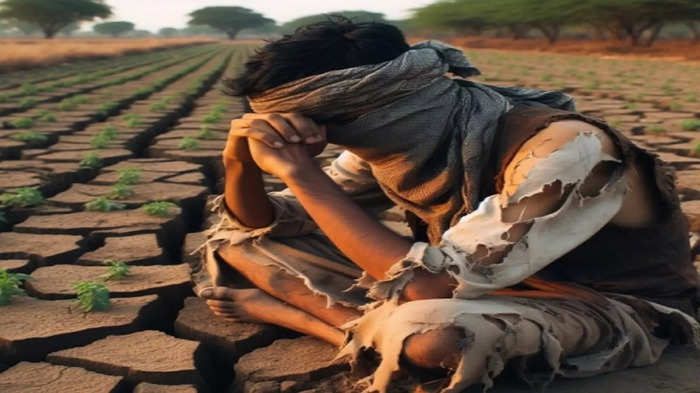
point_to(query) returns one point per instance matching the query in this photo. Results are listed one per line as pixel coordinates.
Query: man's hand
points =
(275, 130)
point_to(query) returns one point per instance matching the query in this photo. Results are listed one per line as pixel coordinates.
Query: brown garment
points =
(653, 262)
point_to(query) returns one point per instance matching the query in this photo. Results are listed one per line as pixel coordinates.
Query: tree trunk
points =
(517, 31)
(232, 34)
(550, 31)
(654, 34)
(49, 34)
(694, 29)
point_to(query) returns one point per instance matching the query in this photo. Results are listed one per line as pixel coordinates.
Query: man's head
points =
(315, 49)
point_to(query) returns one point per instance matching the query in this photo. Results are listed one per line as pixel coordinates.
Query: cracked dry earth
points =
(169, 120)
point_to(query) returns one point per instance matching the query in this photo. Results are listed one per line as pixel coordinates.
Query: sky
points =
(155, 14)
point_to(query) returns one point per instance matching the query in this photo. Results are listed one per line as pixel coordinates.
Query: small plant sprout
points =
(132, 120)
(29, 89)
(3, 218)
(4, 98)
(159, 209)
(10, 285)
(22, 197)
(99, 141)
(91, 160)
(188, 143)
(109, 131)
(205, 132)
(158, 106)
(92, 296)
(27, 102)
(675, 106)
(31, 137)
(695, 152)
(213, 117)
(121, 191)
(691, 124)
(116, 270)
(24, 122)
(128, 175)
(219, 108)
(47, 116)
(656, 129)
(104, 204)
(107, 107)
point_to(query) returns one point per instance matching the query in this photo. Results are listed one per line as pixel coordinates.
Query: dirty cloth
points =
(574, 336)
(435, 172)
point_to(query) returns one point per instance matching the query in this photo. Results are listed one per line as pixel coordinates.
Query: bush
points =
(104, 204)
(92, 296)
(91, 160)
(22, 197)
(10, 285)
(99, 141)
(132, 120)
(159, 209)
(109, 131)
(47, 116)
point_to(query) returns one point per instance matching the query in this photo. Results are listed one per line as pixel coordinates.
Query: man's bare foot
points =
(254, 305)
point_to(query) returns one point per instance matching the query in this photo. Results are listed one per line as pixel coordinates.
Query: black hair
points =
(317, 48)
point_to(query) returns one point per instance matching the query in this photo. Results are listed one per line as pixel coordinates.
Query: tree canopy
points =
(229, 20)
(623, 19)
(167, 32)
(53, 15)
(355, 16)
(115, 29)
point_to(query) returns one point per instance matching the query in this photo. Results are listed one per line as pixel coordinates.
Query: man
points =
(540, 238)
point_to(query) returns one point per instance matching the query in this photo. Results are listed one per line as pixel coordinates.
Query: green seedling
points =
(67, 105)
(592, 85)
(205, 133)
(656, 129)
(107, 107)
(128, 175)
(630, 105)
(219, 108)
(31, 137)
(696, 150)
(92, 296)
(691, 124)
(188, 143)
(22, 197)
(100, 141)
(132, 120)
(116, 270)
(675, 106)
(4, 98)
(121, 191)
(547, 77)
(109, 132)
(103, 204)
(158, 107)
(27, 102)
(79, 100)
(668, 90)
(47, 116)
(10, 285)
(24, 122)
(91, 160)
(159, 209)
(689, 98)
(213, 117)
(29, 89)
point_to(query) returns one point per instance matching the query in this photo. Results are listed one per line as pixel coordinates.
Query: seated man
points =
(541, 238)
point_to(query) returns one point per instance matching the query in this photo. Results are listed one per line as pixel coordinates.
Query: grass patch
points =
(158, 209)
(10, 285)
(132, 120)
(31, 137)
(22, 197)
(675, 106)
(205, 132)
(213, 117)
(158, 107)
(121, 191)
(695, 152)
(107, 107)
(27, 102)
(691, 124)
(188, 143)
(92, 296)
(656, 129)
(24, 122)
(91, 160)
(103, 204)
(129, 175)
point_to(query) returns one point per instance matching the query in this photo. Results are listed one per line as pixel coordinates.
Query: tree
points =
(229, 20)
(355, 16)
(167, 32)
(115, 29)
(53, 15)
(70, 29)
(26, 28)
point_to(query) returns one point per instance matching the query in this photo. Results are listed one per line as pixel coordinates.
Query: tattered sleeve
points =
(549, 236)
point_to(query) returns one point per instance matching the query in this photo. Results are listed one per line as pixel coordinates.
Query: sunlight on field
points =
(35, 52)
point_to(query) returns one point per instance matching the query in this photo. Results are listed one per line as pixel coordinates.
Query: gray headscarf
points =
(426, 136)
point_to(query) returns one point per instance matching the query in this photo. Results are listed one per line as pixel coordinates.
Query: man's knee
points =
(439, 348)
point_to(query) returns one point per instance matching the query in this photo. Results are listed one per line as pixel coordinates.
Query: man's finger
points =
(307, 128)
(268, 137)
(284, 128)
